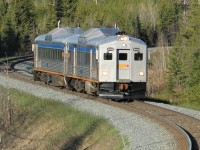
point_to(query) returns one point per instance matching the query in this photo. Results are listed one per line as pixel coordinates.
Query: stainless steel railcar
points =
(101, 61)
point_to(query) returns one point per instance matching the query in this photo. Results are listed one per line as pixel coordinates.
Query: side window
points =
(51, 54)
(41, 52)
(122, 56)
(48, 51)
(138, 56)
(54, 54)
(107, 56)
(45, 53)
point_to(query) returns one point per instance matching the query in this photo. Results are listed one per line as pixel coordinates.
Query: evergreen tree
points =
(169, 20)
(3, 8)
(8, 38)
(1, 50)
(24, 20)
(185, 57)
(59, 9)
(69, 9)
(194, 48)
(51, 18)
(137, 27)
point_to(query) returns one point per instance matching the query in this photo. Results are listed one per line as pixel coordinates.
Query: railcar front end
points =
(122, 68)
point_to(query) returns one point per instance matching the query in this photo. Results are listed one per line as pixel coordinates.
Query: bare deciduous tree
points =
(6, 108)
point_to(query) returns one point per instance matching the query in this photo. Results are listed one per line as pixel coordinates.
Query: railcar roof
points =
(97, 36)
(61, 35)
(98, 32)
(92, 37)
(109, 39)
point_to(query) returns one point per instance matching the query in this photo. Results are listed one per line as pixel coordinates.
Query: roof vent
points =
(48, 37)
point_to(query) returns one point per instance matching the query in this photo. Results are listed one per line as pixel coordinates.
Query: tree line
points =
(150, 20)
(184, 59)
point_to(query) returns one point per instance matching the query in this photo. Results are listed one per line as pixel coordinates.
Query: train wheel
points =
(36, 76)
(79, 85)
(71, 84)
(43, 78)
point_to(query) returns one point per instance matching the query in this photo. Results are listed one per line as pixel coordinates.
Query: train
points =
(105, 62)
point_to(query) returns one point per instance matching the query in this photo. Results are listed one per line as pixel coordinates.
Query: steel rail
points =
(189, 124)
(12, 59)
(183, 140)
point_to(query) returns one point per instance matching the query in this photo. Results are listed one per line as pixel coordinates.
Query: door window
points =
(123, 56)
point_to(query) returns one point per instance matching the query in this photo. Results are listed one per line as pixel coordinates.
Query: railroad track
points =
(185, 139)
(189, 124)
(185, 129)
(9, 64)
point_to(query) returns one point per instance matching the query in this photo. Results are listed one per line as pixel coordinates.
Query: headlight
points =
(124, 38)
(124, 45)
(141, 74)
(105, 73)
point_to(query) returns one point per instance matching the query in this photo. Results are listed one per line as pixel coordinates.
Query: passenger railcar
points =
(100, 61)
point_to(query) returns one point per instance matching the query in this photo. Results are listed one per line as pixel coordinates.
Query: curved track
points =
(189, 124)
(185, 129)
(10, 63)
(183, 139)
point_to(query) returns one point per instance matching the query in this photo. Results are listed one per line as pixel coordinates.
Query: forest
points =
(160, 23)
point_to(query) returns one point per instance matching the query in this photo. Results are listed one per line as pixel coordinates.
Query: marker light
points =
(124, 38)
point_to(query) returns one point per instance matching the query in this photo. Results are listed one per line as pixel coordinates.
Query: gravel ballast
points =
(142, 132)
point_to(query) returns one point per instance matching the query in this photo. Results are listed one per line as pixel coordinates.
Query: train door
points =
(123, 64)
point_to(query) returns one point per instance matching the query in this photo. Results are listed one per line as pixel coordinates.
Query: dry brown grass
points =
(48, 125)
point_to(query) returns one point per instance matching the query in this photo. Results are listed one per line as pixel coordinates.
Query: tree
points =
(59, 9)
(24, 19)
(1, 51)
(51, 18)
(3, 8)
(169, 15)
(150, 20)
(8, 38)
(185, 57)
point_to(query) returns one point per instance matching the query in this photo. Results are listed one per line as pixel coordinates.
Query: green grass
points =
(49, 124)
(194, 106)
(179, 101)
(4, 58)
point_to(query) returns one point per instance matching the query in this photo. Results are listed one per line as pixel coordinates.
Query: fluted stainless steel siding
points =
(70, 70)
(52, 65)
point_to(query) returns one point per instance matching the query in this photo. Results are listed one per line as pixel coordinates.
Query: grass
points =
(194, 106)
(48, 124)
(163, 98)
(4, 58)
